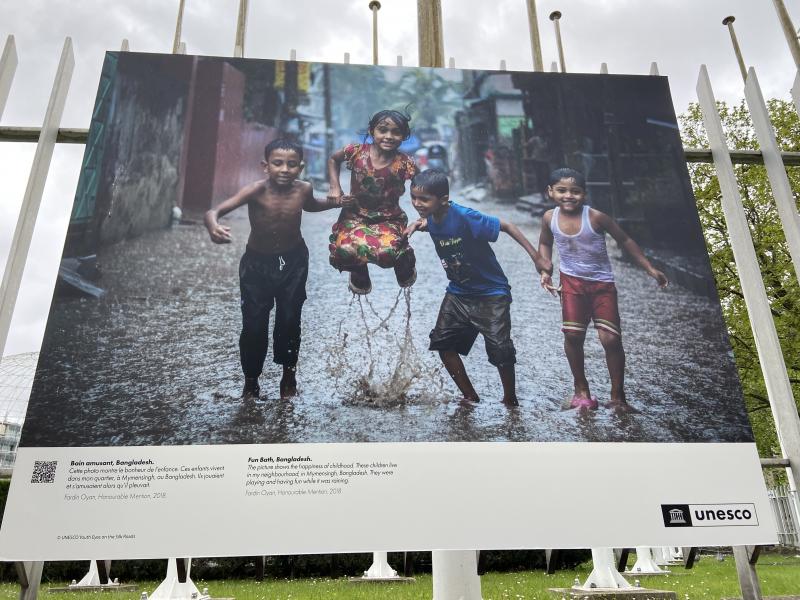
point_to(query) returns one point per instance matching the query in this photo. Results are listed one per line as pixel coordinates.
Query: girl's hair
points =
(567, 173)
(401, 119)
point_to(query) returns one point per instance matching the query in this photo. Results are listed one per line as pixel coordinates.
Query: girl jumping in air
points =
(371, 230)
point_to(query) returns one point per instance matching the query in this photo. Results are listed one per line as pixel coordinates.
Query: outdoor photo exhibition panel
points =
(138, 443)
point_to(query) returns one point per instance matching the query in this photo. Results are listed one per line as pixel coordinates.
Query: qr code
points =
(44, 471)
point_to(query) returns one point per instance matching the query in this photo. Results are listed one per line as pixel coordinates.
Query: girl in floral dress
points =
(371, 231)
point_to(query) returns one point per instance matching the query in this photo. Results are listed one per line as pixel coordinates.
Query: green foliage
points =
(779, 278)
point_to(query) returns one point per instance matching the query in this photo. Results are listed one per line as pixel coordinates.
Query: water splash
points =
(392, 371)
(383, 321)
(336, 363)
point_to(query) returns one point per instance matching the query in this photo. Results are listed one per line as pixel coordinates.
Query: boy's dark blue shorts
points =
(462, 318)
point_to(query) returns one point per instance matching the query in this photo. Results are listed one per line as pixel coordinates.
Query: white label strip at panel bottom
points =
(150, 502)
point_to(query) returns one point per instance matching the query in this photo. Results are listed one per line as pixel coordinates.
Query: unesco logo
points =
(676, 515)
(709, 515)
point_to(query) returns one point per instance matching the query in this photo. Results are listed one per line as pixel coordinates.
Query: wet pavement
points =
(156, 361)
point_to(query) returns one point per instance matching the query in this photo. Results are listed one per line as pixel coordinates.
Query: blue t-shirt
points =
(462, 243)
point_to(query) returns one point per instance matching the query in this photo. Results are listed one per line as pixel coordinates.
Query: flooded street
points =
(156, 361)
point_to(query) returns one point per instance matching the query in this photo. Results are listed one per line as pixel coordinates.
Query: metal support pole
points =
(604, 572)
(555, 17)
(178, 582)
(66, 135)
(736, 49)
(604, 68)
(796, 92)
(654, 68)
(551, 559)
(178, 27)
(788, 30)
(746, 557)
(125, 46)
(779, 181)
(429, 32)
(29, 575)
(374, 6)
(690, 554)
(8, 66)
(380, 568)
(779, 390)
(455, 575)
(103, 571)
(241, 29)
(622, 555)
(645, 562)
(21, 242)
(536, 41)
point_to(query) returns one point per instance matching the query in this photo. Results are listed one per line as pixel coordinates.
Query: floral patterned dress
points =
(372, 230)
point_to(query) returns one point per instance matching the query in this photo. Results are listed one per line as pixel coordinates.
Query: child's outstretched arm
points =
(334, 166)
(631, 247)
(221, 234)
(418, 225)
(312, 204)
(542, 264)
(546, 252)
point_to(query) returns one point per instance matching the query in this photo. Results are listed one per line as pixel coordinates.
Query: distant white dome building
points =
(16, 379)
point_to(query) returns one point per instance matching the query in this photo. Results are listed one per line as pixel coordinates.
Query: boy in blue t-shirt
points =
(478, 297)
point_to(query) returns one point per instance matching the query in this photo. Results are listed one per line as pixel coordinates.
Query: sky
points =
(679, 35)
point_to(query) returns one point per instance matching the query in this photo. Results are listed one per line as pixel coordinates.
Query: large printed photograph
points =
(268, 252)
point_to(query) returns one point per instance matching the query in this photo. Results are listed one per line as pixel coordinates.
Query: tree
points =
(778, 273)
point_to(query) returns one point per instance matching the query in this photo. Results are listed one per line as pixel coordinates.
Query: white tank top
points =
(584, 254)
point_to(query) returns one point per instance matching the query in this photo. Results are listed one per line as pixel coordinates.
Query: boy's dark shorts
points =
(462, 318)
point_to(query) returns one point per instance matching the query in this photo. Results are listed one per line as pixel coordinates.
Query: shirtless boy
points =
(274, 267)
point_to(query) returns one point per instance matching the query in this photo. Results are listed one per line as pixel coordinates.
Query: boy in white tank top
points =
(586, 281)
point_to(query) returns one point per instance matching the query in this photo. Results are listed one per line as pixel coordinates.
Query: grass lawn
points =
(709, 579)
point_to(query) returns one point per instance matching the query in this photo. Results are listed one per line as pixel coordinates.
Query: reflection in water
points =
(156, 361)
(462, 420)
(513, 428)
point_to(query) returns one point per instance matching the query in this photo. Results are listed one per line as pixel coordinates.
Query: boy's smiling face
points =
(283, 167)
(567, 194)
(428, 204)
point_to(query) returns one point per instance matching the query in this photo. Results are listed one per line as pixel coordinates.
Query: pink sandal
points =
(581, 402)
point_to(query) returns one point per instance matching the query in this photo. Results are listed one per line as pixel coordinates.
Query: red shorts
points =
(583, 300)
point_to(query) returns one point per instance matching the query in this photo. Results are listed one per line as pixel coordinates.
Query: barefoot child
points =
(587, 281)
(371, 230)
(274, 267)
(478, 298)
